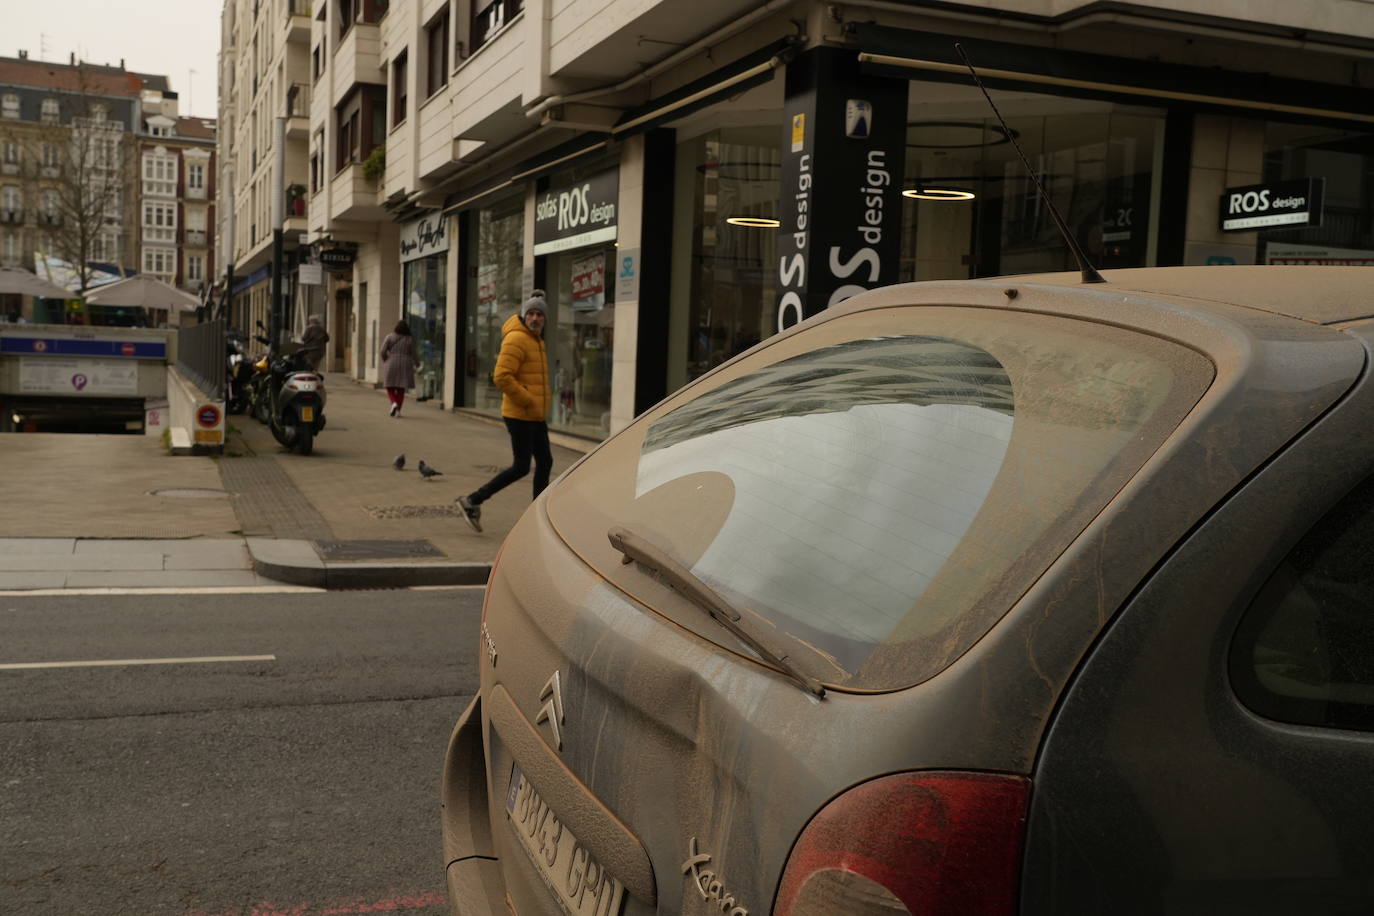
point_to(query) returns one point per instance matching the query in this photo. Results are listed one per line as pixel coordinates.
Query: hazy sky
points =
(167, 37)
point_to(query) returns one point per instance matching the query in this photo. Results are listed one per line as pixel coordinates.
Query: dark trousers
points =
(528, 438)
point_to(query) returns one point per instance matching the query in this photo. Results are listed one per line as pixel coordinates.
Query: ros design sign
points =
(1280, 203)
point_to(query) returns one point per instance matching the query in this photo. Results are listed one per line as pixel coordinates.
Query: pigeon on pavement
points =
(399, 462)
(427, 472)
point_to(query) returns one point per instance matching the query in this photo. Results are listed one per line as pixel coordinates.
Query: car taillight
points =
(932, 843)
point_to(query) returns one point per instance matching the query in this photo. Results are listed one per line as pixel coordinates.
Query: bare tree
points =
(78, 162)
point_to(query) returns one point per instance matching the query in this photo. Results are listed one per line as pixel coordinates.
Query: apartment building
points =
(686, 179)
(176, 163)
(67, 195)
(264, 103)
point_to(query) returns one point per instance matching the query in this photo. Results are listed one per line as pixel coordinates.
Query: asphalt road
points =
(306, 784)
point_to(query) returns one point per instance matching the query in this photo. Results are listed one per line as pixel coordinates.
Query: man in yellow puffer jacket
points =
(522, 374)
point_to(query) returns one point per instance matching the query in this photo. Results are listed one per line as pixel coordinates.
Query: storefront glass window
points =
(1344, 160)
(580, 333)
(495, 245)
(972, 211)
(727, 277)
(425, 287)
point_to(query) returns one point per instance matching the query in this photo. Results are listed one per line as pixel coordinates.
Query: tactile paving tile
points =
(267, 503)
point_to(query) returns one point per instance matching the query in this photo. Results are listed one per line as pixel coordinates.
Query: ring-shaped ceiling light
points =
(980, 134)
(938, 194)
(753, 222)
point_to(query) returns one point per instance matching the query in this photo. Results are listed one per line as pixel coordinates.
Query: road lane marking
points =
(113, 662)
(162, 590)
(211, 590)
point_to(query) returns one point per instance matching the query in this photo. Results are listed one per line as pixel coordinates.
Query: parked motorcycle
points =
(289, 396)
(238, 373)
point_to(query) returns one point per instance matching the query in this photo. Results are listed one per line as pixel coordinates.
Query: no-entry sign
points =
(208, 416)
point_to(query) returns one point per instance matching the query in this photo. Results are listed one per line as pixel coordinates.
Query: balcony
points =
(352, 196)
(12, 217)
(298, 21)
(52, 220)
(298, 111)
(9, 168)
(195, 238)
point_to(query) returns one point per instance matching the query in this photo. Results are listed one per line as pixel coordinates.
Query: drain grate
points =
(375, 550)
(448, 511)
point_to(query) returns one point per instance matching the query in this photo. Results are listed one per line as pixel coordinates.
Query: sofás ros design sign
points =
(581, 214)
(1280, 203)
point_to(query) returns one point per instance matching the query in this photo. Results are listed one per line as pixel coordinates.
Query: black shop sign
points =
(573, 216)
(843, 151)
(337, 258)
(1289, 204)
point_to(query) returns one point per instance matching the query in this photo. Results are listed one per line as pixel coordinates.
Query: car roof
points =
(1322, 295)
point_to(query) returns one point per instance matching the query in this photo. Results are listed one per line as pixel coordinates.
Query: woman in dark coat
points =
(399, 361)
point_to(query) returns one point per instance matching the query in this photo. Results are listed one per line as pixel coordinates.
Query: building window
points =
(195, 267)
(317, 162)
(195, 176)
(99, 112)
(160, 261)
(360, 124)
(398, 89)
(436, 43)
(490, 16)
(316, 62)
(11, 203)
(159, 175)
(10, 107)
(159, 222)
(49, 156)
(51, 113)
(10, 250)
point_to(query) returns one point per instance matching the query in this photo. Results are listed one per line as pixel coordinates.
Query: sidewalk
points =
(118, 510)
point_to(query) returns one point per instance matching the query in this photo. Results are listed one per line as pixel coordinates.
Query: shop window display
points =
(580, 335)
(496, 236)
(724, 283)
(972, 211)
(425, 286)
(1344, 162)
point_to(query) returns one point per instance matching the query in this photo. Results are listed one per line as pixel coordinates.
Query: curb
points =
(297, 563)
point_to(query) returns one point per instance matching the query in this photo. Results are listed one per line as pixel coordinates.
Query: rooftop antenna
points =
(1090, 274)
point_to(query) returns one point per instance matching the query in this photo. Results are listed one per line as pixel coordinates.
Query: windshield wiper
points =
(638, 550)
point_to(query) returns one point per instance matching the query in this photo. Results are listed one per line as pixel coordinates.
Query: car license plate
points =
(308, 414)
(577, 880)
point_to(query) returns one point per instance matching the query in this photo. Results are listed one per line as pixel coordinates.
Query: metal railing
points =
(201, 356)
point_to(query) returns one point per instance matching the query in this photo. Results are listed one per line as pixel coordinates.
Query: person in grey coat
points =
(399, 361)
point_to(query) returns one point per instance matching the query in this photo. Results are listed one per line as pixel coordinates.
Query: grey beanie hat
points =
(535, 301)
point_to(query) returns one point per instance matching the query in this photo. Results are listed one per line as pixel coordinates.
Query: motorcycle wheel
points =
(305, 437)
(280, 434)
(262, 410)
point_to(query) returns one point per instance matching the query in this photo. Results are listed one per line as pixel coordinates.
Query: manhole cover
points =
(448, 511)
(375, 550)
(189, 493)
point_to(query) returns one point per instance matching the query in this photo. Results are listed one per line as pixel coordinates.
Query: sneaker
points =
(471, 514)
(395, 409)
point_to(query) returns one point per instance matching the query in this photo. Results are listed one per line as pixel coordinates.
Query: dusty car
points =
(983, 597)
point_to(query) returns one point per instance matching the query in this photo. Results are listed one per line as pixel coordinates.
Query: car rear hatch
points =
(870, 496)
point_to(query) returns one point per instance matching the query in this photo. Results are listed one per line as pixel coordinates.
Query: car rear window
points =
(883, 486)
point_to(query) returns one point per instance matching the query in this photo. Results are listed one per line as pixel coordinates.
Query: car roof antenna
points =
(1090, 274)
